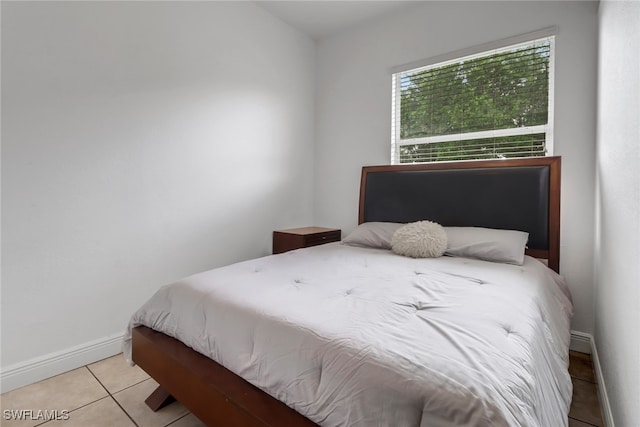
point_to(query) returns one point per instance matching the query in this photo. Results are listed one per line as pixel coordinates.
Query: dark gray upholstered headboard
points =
(512, 194)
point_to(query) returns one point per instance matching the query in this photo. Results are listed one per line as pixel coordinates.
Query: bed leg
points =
(159, 399)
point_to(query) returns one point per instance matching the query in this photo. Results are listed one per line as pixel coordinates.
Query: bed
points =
(354, 335)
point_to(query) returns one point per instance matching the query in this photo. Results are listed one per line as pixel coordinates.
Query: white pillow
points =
(422, 239)
(506, 246)
(372, 235)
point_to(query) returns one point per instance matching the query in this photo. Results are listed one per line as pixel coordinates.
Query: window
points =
(489, 105)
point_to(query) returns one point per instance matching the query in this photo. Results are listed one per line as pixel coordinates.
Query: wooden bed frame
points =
(218, 397)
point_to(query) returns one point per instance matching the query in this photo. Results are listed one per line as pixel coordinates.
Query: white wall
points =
(141, 142)
(617, 249)
(354, 107)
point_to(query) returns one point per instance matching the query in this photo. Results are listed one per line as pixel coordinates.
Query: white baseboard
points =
(585, 343)
(581, 342)
(605, 407)
(38, 369)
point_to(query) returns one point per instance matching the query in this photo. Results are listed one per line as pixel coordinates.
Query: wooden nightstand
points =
(296, 238)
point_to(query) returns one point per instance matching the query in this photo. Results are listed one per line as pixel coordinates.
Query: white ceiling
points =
(322, 18)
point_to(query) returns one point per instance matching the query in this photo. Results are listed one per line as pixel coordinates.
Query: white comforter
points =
(363, 337)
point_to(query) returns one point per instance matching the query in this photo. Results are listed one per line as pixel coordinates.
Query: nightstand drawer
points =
(296, 238)
(320, 238)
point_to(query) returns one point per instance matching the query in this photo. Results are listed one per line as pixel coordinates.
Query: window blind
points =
(493, 104)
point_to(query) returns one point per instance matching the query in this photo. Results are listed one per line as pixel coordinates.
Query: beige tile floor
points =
(107, 393)
(585, 406)
(110, 393)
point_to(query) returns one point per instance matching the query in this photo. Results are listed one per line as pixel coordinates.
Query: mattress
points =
(351, 336)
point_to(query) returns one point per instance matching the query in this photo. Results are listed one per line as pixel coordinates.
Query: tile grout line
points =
(590, 365)
(123, 410)
(574, 378)
(597, 398)
(74, 410)
(111, 396)
(129, 386)
(582, 379)
(175, 421)
(86, 404)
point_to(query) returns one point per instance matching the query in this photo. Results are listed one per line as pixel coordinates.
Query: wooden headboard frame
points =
(497, 181)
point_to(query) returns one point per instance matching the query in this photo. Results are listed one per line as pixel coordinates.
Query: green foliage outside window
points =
(499, 91)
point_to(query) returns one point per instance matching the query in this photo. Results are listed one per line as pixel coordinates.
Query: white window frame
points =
(467, 54)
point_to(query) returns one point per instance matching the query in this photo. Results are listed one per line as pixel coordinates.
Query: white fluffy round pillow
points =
(422, 239)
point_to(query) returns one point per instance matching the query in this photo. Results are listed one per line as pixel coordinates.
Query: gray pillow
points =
(505, 246)
(372, 235)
